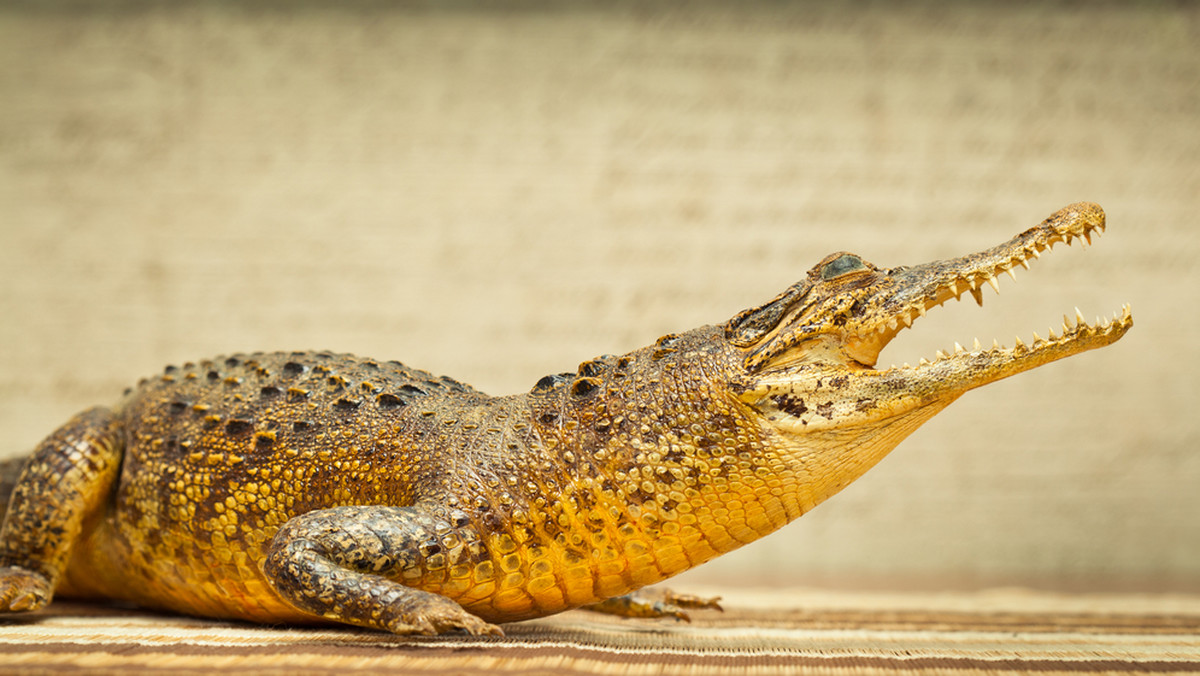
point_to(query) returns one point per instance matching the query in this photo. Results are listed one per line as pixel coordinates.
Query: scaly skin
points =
(291, 487)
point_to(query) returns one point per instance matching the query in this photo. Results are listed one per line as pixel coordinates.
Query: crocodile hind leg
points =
(65, 481)
(655, 603)
(342, 564)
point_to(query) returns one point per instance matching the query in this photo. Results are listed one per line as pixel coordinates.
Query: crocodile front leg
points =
(343, 564)
(65, 482)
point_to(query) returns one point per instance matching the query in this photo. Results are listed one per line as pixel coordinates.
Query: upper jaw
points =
(908, 293)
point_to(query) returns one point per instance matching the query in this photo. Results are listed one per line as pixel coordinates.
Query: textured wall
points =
(498, 195)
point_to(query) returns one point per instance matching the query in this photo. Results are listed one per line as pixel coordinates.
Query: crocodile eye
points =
(842, 265)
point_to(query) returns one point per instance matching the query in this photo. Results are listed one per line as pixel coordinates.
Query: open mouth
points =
(913, 291)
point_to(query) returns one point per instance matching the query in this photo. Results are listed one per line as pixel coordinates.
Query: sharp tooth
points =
(978, 295)
(1037, 339)
(923, 362)
(1035, 252)
(1066, 325)
(1087, 236)
(941, 355)
(977, 345)
(1052, 336)
(957, 348)
(1126, 312)
(994, 284)
(906, 319)
(995, 344)
(1025, 263)
(1019, 346)
(921, 309)
(1079, 316)
(1068, 238)
(906, 365)
(1012, 274)
(892, 324)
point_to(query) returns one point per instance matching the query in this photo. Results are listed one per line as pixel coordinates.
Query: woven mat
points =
(769, 633)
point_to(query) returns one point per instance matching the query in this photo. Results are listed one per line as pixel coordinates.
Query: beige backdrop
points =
(500, 194)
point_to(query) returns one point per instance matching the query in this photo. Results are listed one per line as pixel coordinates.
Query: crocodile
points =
(299, 487)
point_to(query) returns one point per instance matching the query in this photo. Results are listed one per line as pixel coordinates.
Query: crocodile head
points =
(809, 356)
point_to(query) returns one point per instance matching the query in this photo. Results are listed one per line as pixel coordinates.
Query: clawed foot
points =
(430, 615)
(656, 604)
(22, 590)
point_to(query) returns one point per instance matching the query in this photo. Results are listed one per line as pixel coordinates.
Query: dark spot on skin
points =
(623, 362)
(178, 407)
(584, 387)
(388, 400)
(839, 381)
(297, 394)
(864, 404)
(231, 362)
(793, 406)
(293, 368)
(170, 369)
(826, 410)
(461, 521)
(346, 404)
(213, 375)
(270, 391)
(840, 320)
(264, 439)
(429, 549)
(238, 426)
(302, 426)
(548, 418)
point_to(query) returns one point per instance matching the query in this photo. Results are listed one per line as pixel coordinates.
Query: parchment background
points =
(497, 194)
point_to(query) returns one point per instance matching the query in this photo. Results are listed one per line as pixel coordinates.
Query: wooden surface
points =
(777, 632)
(500, 194)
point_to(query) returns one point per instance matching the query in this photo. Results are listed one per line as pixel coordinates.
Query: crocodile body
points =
(303, 486)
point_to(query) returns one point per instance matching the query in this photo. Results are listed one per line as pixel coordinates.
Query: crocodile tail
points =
(10, 470)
